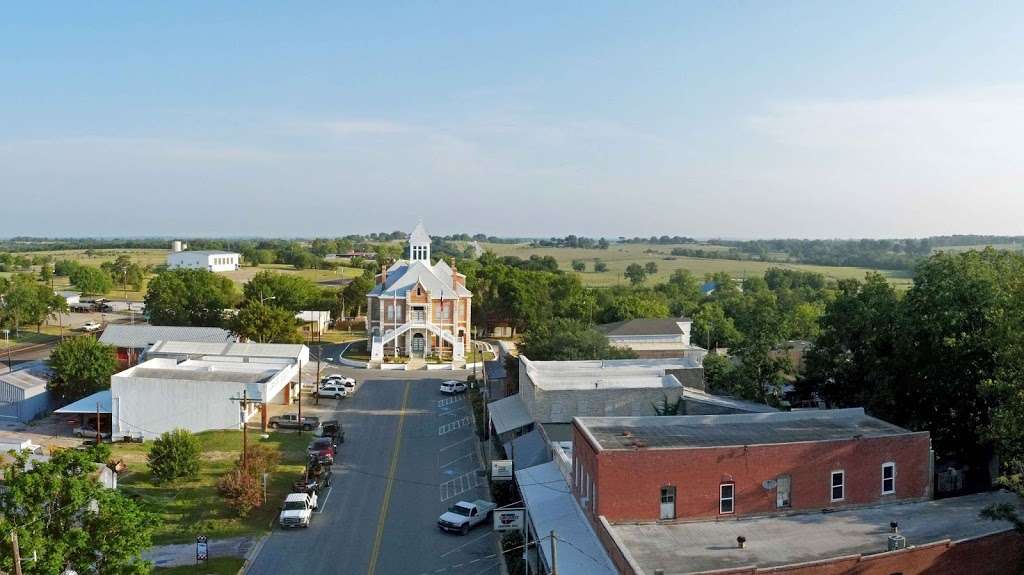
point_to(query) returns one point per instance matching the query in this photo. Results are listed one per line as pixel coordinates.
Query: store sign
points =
(202, 548)
(501, 470)
(509, 519)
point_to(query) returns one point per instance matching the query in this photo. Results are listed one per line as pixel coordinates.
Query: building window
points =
(668, 502)
(838, 485)
(888, 478)
(782, 491)
(727, 494)
(391, 312)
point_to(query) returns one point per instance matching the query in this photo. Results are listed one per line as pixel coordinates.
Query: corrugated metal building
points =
(23, 393)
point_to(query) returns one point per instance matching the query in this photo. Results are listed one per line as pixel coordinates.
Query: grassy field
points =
(617, 257)
(215, 566)
(192, 507)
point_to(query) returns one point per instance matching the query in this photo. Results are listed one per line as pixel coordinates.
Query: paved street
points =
(409, 453)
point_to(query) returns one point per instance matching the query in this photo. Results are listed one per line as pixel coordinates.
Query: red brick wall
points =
(629, 482)
(999, 554)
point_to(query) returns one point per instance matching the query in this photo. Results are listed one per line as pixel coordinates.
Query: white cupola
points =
(419, 245)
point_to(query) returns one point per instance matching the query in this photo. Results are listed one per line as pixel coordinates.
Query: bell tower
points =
(419, 245)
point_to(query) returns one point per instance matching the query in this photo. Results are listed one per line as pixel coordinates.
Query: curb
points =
(253, 552)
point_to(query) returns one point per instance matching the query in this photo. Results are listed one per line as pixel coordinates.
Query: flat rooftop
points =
(682, 548)
(193, 370)
(604, 374)
(683, 431)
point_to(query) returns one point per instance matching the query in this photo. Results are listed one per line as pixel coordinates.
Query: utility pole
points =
(245, 428)
(554, 555)
(98, 435)
(17, 552)
(300, 397)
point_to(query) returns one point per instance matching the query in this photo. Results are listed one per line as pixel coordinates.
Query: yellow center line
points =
(391, 482)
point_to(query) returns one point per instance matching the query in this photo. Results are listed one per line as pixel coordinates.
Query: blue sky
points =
(740, 119)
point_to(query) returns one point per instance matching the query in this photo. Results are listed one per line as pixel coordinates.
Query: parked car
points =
(291, 421)
(348, 382)
(333, 389)
(462, 516)
(323, 450)
(331, 428)
(452, 387)
(297, 510)
(89, 432)
(91, 326)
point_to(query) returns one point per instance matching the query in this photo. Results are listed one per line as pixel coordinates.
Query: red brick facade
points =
(625, 485)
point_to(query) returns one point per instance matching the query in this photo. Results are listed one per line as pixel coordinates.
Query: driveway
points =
(409, 454)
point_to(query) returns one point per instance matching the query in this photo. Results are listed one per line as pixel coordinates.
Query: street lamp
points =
(263, 299)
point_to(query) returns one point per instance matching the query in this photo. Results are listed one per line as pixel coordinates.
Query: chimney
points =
(456, 280)
(384, 265)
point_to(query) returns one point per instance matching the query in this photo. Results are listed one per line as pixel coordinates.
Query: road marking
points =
(375, 553)
(459, 458)
(449, 400)
(450, 427)
(457, 443)
(459, 485)
(488, 534)
(322, 504)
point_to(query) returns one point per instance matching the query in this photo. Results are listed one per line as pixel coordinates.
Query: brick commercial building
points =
(717, 466)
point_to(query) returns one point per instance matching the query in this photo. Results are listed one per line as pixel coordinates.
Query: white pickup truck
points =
(462, 516)
(297, 510)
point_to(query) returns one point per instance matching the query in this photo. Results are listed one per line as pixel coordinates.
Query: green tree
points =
(45, 273)
(66, 519)
(125, 272)
(24, 301)
(91, 280)
(174, 456)
(600, 266)
(711, 327)
(651, 268)
(291, 292)
(636, 274)
(353, 296)
(81, 366)
(579, 266)
(263, 323)
(568, 339)
(634, 305)
(682, 291)
(189, 297)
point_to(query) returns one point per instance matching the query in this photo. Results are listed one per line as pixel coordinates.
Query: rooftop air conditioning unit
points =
(897, 542)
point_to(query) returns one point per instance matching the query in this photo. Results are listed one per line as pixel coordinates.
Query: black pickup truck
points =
(291, 421)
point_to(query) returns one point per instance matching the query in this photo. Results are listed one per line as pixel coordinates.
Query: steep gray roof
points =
(657, 326)
(404, 275)
(419, 235)
(142, 336)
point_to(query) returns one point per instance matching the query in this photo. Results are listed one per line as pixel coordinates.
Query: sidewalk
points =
(185, 553)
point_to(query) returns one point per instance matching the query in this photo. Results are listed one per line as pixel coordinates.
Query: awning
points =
(552, 507)
(528, 450)
(89, 404)
(508, 414)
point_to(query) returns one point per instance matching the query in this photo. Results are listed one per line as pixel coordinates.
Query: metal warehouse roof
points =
(142, 336)
(220, 375)
(508, 414)
(528, 449)
(605, 374)
(230, 349)
(99, 401)
(26, 377)
(733, 430)
(552, 507)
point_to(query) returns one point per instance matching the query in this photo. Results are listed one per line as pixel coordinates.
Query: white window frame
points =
(731, 499)
(832, 485)
(889, 465)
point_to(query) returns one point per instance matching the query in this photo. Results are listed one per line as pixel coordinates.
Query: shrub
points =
(242, 490)
(174, 455)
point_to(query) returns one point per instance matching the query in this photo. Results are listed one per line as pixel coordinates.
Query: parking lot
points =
(410, 452)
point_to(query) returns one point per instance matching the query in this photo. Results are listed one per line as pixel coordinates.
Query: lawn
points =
(215, 566)
(335, 276)
(28, 336)
(342, 336)
(618, 256)
(195, 508)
